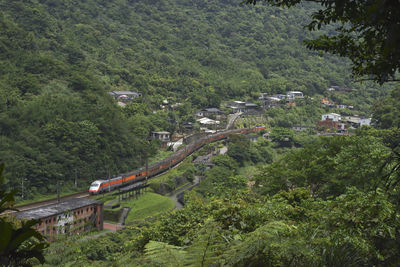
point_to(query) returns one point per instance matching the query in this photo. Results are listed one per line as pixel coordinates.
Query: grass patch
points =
(161, 154)
(105, 197)
(249, 171)
(147, 205)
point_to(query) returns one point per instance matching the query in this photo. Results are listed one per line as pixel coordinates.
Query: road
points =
(231, 119)
(174, 195)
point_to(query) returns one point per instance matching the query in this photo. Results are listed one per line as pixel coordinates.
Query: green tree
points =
(367, 32)
(19, 242)
(328, 166)
(386, 112)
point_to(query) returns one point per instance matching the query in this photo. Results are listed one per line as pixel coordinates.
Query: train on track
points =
(143, 173)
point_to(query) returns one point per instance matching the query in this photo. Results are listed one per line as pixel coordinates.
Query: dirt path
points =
(174, 195)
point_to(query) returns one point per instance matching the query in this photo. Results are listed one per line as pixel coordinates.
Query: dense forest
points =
(58, 60)
(291, 199)
(334, 202)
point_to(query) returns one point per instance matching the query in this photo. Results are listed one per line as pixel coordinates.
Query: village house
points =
(331, 116)
(300, 128)
(292, 95)
(187, 126)
(263, 96)
(271, 102)
(209, 111)
(71, 216)
(356, 121)
(325, 102)
(331, 122)
(241, 106)
(331, 125)
(162, 136)
(249, 106)
(280, 96)
(237, 106)
(125, 96)
(208, 121)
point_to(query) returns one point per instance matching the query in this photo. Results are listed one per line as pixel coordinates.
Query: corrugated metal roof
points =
(54, 209)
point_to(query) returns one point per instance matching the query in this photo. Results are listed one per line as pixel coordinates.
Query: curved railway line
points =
(152, 171)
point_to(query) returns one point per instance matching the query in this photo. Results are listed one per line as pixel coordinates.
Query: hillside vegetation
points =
(59, 58)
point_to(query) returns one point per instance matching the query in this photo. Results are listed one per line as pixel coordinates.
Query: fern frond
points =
(165, 254)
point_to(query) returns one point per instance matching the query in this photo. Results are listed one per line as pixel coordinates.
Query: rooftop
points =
(249, 104)
(333, 114)
(206, 120)
(123, 93)
(160, 132)
(54, 209)
(212, 110)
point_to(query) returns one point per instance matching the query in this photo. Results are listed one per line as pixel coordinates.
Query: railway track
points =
(82, 194)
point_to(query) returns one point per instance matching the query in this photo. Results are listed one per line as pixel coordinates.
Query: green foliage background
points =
(59, 58)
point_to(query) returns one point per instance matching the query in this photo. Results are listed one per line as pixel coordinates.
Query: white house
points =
(365, 121)
(331, 116)
(207, 121)
(294, 94)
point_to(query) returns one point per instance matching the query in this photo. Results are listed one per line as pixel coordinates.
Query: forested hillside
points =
(59, 58)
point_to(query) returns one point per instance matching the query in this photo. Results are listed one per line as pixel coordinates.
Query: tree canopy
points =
(367, 32)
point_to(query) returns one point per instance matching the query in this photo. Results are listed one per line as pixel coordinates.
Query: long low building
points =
(71, 216)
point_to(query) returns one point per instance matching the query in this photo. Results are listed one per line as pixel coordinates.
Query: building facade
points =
(71, 216)
(331, 116)
(162, 136)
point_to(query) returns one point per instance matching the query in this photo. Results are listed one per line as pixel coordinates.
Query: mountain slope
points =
(59, 58)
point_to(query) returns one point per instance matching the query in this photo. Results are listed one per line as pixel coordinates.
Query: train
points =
(122, 180)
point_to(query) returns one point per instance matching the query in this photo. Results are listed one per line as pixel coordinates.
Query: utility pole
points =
(58, 190)
(22, 189)
(109, 181)
(76, 178)
(147, 167)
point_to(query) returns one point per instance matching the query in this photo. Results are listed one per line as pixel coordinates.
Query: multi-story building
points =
(71, 216)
